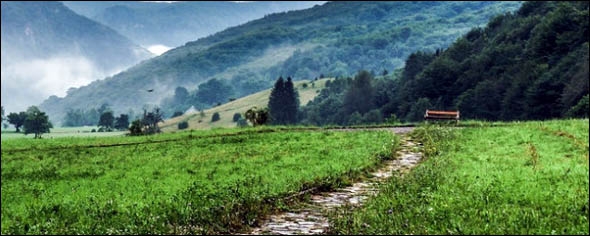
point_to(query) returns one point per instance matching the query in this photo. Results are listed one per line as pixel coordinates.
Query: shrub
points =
(135, 128)
(183, 125)
(215, 117)
(242, 122)
(177, 113)
(237, 116)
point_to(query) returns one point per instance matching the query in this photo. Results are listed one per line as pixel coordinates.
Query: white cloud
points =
(158, 49)
(28, 83)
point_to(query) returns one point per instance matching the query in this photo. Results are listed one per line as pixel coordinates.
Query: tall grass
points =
(213, 182)
(515, 179)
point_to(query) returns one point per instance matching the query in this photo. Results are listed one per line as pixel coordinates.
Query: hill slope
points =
(173, 24)
(531, 64)
(46, 48)
(226, 111)
(335, 39)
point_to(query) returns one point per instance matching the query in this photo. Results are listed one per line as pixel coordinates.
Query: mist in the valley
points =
(158, 49)
(29, 82)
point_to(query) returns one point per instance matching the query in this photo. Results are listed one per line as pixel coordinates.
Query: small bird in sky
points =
(150, 90)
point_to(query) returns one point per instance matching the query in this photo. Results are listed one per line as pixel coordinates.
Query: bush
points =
(237, 117)
(93, 131)
(177, 113)
(135, 128)
(215, 117)
(242, 122)
(183, 125)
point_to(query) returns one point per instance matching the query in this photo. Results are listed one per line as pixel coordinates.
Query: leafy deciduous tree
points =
(17, 119)
(37, 122)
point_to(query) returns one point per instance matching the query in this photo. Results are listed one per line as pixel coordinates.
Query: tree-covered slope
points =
(530, 64)
(334, 39)
(173, 24)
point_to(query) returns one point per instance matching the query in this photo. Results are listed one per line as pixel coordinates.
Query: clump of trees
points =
(122, 122)
(210, 93)
(106, 122)
(33, 121)
(257, 116)
(79, 117)
(148, 124)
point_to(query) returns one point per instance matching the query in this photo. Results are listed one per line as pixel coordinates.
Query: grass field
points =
(213, 181)
(61, 132)
(510, 178)
(241, 105)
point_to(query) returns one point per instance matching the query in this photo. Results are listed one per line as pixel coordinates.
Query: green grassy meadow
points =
(210, 182)
(59, 132)
(508, 178)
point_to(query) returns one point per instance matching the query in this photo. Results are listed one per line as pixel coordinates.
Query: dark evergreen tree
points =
(276, 102)
(291, 102)
(359, 96)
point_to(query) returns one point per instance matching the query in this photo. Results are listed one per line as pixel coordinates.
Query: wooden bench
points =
(441, 115)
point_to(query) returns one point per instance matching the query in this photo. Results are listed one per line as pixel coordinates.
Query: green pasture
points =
(489, 178)
(61, 132)
(215, 181)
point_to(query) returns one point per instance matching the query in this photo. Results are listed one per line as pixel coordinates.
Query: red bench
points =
(441, 115)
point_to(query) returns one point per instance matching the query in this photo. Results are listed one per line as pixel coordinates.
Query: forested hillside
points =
(531, 64)
(173, 24)
(334, 39)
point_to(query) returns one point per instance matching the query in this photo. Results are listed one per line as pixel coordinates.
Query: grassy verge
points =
(213, 182)
(525, 178)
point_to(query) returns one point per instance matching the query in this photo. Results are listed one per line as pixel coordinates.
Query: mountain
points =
(175, 23)
(334, 39)
(531, 64)
(47, 48)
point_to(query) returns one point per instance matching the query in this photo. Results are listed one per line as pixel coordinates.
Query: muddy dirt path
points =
(309, 218)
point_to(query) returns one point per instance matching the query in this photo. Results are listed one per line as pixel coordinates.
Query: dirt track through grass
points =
(310, 218)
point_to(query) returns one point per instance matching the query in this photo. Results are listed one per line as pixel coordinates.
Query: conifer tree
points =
(291, 102)
(276, 102)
